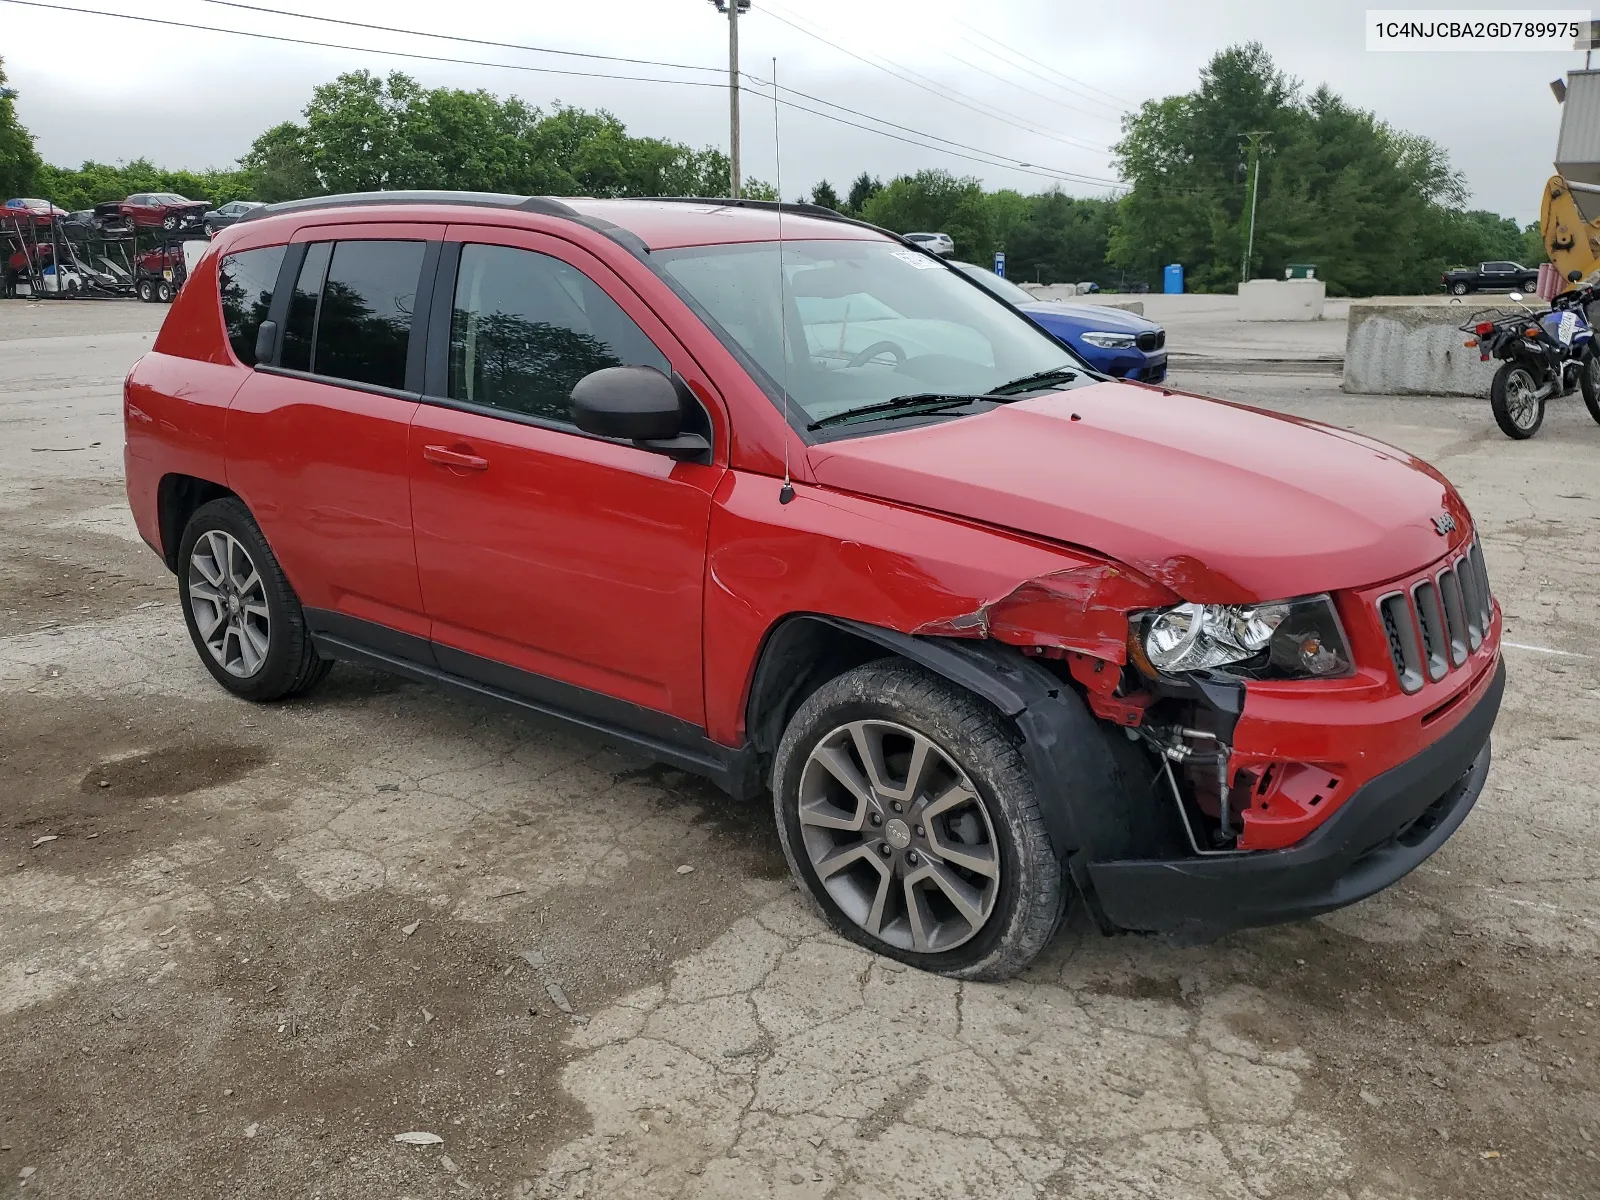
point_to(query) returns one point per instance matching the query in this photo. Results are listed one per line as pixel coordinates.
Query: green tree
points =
(863, 189)
(824, 196)
(19, 161)
(1062, 240)
(1376, 208)
(937, 201)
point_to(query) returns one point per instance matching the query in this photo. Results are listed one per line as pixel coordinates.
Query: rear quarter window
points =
(246, 281)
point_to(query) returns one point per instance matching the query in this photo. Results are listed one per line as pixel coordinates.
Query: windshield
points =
(170, 198)
(865, 323)
(1004, 288)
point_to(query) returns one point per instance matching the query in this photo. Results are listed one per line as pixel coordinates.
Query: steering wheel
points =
(877, 348)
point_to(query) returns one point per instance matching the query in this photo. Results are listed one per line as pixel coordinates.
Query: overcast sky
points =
(195, 99)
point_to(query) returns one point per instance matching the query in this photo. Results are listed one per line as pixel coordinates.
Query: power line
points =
(1073, 92)
(990, 160)
(1024, 168)
(1076, 175)
(451, 37)
(278, 12)
(907, 75)
(1124, 104)
(278, 37)
(1037, 95)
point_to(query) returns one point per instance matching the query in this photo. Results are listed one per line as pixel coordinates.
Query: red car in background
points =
(152, 210)
(24, 207)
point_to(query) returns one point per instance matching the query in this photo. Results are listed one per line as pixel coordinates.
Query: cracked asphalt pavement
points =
(242, 948)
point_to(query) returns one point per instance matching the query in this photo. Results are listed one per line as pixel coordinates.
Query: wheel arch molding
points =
(1075, 768)
(178, 496)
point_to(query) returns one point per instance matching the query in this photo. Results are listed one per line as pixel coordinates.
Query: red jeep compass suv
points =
(781, 499)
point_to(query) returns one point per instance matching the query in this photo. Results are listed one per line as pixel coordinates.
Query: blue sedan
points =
(1108, 339)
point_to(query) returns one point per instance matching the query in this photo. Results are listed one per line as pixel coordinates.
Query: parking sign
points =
(1000, 264)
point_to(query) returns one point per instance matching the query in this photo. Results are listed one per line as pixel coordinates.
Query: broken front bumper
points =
(1381, 833)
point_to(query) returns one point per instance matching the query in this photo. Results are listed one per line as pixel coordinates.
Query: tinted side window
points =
(301, 326)
(364, 326)
(246, 281)
(526, 327)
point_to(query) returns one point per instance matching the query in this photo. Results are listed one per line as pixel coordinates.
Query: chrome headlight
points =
(1287, 639)
(1110, 341)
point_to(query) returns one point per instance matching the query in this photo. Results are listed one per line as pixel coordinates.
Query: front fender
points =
(897, 569)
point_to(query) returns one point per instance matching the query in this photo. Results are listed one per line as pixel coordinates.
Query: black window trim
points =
(418, 344)
(436, 374)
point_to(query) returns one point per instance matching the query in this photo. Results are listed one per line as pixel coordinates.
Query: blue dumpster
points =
(1172, 280)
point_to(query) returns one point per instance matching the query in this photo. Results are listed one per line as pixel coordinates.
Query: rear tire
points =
(145, 291)
(964, 842)
(164, 292)
(243, 617)
(1589, 381)
(1518, 415)
(1459, 289)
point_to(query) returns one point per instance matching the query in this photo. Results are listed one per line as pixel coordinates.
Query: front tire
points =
(1589, 381)
(1511, 394)
(243, 617)
(908, 816)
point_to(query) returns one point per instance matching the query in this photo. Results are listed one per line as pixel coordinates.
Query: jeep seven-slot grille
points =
(1438, 620)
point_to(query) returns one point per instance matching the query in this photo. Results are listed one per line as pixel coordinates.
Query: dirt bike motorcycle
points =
(1542, 355)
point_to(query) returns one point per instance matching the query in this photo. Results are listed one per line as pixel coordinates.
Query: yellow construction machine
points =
(1569, 214)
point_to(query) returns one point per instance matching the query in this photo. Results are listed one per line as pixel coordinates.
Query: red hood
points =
(1220, 502)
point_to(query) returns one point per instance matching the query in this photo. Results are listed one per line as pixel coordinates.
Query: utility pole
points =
(733, 8)
(1255, 150)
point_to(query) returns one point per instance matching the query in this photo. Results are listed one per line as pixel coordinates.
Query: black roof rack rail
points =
(544, 205)
(551, 207)
(800, 207)
(540, 204)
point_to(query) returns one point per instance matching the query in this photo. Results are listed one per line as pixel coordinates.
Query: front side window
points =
(526, 327)
(854, 324)
(246, 281)
(350, 314)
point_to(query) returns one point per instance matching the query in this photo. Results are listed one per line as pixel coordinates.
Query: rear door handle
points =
(447, 457)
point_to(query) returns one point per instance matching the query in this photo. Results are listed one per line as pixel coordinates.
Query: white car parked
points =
(937, 243)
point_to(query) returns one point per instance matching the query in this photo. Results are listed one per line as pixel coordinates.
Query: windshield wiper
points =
(1038, 379)
(921, 401)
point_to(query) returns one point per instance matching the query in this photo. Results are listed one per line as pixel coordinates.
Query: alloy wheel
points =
(1521, 405)
(229, 602)
(898, 836)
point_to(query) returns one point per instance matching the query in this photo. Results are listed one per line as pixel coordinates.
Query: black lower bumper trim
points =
(1382, 832)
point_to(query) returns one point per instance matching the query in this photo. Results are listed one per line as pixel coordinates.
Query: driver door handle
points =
(447, 457)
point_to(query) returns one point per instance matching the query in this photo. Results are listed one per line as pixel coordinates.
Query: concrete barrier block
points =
(1069, 293)
(1411, 349)
(1282, 299)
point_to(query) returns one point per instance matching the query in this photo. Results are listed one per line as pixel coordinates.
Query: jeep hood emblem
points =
(1444, 524)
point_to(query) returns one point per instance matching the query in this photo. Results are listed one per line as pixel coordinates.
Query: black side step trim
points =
(728, 769)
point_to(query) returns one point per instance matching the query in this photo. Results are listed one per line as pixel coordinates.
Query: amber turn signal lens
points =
(1470, 342)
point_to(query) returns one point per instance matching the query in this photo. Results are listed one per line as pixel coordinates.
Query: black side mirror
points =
(266, 341)
(635, 404)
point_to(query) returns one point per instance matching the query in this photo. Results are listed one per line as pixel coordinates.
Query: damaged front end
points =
(1173, 676)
